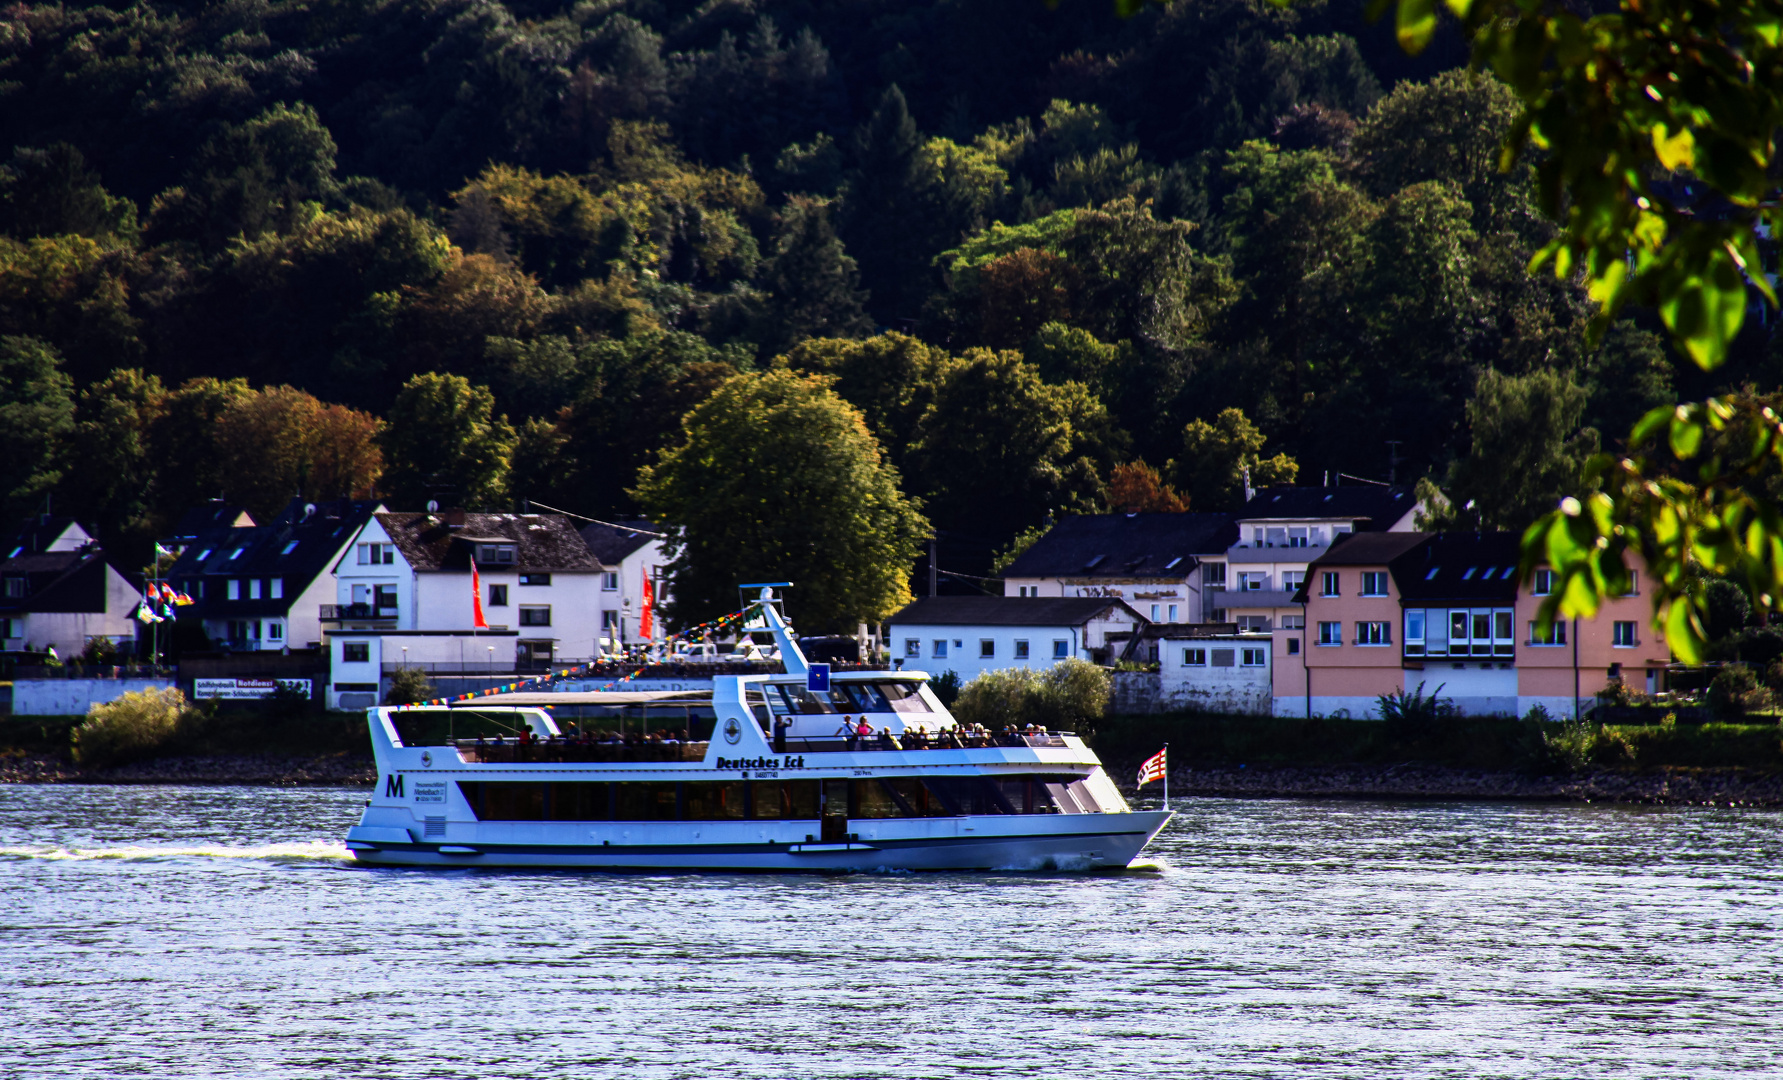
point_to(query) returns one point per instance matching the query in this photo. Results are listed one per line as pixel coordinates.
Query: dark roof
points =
(1369, 506)
(542, 542)
(35, 534)
(1460, 566)
(298, 545)
(1009, 610)
(57, 581)
(612, 543)
(215, 514)
(1368, 549)
(1126, 545)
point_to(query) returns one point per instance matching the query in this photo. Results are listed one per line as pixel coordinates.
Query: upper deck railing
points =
(511, 751)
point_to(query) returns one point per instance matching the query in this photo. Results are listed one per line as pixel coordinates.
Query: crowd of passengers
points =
(856, 734)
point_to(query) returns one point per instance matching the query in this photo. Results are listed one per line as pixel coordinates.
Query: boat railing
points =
(509, 752)
(945, 741)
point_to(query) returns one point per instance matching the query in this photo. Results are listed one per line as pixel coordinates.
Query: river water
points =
(187, 932)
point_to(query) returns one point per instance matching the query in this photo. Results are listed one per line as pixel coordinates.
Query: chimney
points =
(454, 519)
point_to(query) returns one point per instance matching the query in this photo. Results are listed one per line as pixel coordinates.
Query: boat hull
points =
(1090, 842)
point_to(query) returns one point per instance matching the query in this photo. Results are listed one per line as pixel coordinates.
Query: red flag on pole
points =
(647, 620)
(1154, 768)
(477, 619)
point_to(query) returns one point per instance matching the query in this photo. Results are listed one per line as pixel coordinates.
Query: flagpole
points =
(1166, 776)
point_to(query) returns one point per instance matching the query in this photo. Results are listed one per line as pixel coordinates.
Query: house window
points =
(1194, 658)
(1544, 583)
(275, 631)
(1021, 648)
(1293, 646)
(609, 620)
(1214, 573)
(1252, 582)
(1374, 583)
(234, 589)
(610, 581)
(1223, 657)
(1293, 622)
(1623, 635)
(1293, 579)
(1253, 624)
(940, 652)
(355, 652)
(276, 588)
(1634, 584)
(1414, 632)
(1328, 583)
(1172, 612)
(1556, 634)
(987, 647)
(15, 586)
(1061, 649)
(1330, 633)
(236, 554)
(913, 648)
(253, 588)
(1374, 633)
(498, 596)
(495, 554)
(377, 554)
(539, 615)
(289, 548)
(1297, 537)
(1253, 657)
(535, 579)
(1154, 613)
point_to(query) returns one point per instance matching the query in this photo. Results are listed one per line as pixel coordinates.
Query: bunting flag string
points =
(718, 624)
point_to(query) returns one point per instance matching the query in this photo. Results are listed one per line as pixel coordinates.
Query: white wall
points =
(1214, 686)
(72, 697)
(965, 657)
(466, 652)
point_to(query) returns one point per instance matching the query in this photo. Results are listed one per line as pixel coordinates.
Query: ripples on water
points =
(175, 932)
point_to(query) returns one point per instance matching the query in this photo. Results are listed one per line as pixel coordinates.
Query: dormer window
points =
(203, 555)
(289, 548)
(495, 554)
(236, 554)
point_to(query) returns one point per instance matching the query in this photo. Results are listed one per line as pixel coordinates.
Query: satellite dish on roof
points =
(309, 511)
(433, 506)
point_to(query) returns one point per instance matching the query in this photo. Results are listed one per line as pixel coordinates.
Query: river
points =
(188, 932)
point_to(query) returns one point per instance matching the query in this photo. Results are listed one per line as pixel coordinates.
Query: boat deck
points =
(571, 751)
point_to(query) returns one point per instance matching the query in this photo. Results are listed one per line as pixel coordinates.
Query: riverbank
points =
(338, 769)
(1670, 786)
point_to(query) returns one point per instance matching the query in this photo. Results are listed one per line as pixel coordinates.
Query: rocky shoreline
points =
(1671, 786)
(269, 770)
(1667, 786)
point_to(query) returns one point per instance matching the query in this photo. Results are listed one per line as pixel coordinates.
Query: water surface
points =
(175, 932)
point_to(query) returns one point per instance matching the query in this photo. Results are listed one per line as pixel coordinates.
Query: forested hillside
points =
(497, 252)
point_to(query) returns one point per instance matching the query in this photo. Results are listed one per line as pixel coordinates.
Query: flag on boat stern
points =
(1153, 769)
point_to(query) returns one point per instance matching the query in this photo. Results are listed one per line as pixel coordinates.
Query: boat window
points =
(579, 802)
(865, 697)
(904, 697)
(872, 799)
(800, 700)
(713, 801)
(646, 801)
(771, 799)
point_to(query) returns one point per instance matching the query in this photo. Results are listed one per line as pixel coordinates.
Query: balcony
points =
(1245, 599)
(343, 612)
(1462, 650)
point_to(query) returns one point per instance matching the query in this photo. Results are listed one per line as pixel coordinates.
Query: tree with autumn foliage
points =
(1137, 488)
(284, 443)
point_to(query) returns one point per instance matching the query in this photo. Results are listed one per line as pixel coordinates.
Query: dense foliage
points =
(494, 252)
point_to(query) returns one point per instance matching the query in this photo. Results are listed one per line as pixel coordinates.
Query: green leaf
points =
(1417, 24)
(1686, 436)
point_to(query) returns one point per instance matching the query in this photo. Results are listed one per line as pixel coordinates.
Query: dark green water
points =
(183, 932)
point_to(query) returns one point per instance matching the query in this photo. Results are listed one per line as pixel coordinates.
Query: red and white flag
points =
(477, 619)
(1153, 769)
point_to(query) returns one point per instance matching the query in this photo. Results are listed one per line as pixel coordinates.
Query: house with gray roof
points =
(58, 588)
(1167, 566)
(261, 588)
(630, 552)
(974, 634)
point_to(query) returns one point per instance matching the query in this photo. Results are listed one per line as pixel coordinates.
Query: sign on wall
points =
(246, 689)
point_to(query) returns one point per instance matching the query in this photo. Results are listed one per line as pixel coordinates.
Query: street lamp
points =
(492, 661)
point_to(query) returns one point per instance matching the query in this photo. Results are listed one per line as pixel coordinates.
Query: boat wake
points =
(318, 851)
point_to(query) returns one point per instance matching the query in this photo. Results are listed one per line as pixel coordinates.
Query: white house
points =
(403, 595)
(974, 634)
(1282, 529)
(630, 552)
(1169, 567)
(263, 588)
(57, 588)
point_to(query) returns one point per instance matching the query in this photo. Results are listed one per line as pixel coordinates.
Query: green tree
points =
(1528, 448)
(444, 440)
(1215, 457)
(998, 449)
(884, 221)
(190, 466)
(36, 413)
(268, 174)
(112, 470)
(890, 378)
(51, 192)
(776, 477)
(813, 285)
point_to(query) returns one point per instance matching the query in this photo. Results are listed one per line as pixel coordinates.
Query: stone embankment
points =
(1671, 786)
(272, 770)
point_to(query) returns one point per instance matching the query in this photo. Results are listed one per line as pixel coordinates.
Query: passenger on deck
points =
(781, 723)
(847, 731)
(886, 742)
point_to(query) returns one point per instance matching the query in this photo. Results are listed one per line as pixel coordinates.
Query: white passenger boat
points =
(500, 781)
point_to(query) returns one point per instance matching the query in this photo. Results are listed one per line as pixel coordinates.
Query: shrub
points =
(946, 687)
(1409, 713)
(134, 726)
(100, 650)
(1071, 694)
(1735, 691)
(408, 686)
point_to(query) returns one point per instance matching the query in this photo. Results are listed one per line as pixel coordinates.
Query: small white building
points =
(1227, 673)
(57, 588)
(970, 635)
(630, 552)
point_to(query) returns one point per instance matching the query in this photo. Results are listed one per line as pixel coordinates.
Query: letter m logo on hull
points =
(393, 786)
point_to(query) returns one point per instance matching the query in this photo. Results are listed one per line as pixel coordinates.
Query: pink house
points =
(1390, 611)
